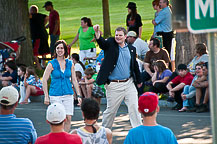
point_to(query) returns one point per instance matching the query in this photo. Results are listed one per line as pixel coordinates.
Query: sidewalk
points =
(162, 103)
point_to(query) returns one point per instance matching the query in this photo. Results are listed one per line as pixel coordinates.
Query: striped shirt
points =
(16, 130)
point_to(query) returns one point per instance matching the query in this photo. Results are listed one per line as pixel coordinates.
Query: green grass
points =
(71, 11)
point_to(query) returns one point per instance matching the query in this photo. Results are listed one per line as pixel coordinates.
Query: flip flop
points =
(182, 110)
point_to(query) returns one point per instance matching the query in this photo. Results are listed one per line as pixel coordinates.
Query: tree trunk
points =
(106, 19)
(185, 46)
(15, 23)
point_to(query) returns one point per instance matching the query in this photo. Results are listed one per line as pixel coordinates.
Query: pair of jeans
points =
(53, 39)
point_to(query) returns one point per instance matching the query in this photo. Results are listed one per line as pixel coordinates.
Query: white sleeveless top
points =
(93, 138)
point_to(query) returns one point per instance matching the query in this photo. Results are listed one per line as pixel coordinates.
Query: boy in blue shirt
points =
(150, 132)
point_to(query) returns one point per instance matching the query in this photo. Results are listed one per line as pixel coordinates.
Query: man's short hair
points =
(155, 42)
(121, 29)
(182, 67)
(206, 65)
(34, 8)
(90, 109)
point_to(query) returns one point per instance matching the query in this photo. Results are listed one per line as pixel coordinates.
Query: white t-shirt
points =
(78, 67)
(141, 47)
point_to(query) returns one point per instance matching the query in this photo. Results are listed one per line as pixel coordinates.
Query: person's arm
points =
(169, 86)
(45, 78)
(109, 135)
(46, 19)
(101, 41)
(178, 87)
(74, 40)
(164, 80)
(6, 78)
(140, 31)
(147, 69)
(154, 77)
(75, 83)
(56, 27)
(25, 80)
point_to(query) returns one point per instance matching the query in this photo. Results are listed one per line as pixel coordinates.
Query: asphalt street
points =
(188, 127)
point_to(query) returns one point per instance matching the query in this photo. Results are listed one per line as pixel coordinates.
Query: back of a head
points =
(90, 109)
(33, 9)
(148, 103)
(56, 114)
(201, 49)
(8, 97)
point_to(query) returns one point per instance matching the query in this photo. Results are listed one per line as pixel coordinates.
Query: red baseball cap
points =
(148, 102)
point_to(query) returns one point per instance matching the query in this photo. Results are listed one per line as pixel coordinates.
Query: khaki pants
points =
(115, 94)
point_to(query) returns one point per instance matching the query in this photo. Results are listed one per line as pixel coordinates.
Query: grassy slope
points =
(72, 10)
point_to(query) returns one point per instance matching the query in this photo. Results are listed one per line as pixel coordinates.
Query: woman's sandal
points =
(183, 110)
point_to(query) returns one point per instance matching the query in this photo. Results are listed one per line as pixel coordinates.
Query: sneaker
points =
(202, 108)
(177, 107)
(193, 109)
(170, 99)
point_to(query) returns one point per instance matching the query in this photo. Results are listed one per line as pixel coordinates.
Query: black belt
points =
(125, 80)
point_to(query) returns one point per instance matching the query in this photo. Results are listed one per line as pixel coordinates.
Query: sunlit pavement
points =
(188, 127)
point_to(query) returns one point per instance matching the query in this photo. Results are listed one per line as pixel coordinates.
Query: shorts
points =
(36, 45)
(39, 92)
(87, 53)
(67, 101)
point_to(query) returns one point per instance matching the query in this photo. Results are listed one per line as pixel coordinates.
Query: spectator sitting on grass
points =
(189, 92)
(150, 132)
(92, 133)
(176, 85)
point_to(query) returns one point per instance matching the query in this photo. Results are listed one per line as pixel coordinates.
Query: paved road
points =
(188, 127)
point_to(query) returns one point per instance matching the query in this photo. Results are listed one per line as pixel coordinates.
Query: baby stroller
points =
(10, 50)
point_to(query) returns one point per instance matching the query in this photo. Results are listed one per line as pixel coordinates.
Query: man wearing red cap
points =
(150, 132)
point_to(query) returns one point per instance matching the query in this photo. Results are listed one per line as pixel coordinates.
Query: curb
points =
(161, 103)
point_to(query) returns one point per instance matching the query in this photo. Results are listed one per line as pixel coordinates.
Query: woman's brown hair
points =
(161, 64)
(65, 48)
(201, 49)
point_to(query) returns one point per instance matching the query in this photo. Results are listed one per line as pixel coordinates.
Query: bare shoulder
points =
(73, 131)
(108, 132)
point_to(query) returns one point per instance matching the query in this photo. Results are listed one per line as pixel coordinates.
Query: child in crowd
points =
(10, 76)
(32, 84)
(89, 88)
(92, 133)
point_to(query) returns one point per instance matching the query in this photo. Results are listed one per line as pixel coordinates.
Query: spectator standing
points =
(86, 39)
(61, 70)
(176, 85)
(120, 72)
(56, 117)
(133, 21)
(156, 7)
(54, 25)
(39, 34)
(140, 45)
(92, 133)
(163, 23)
(150, 132)
(14, 130)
